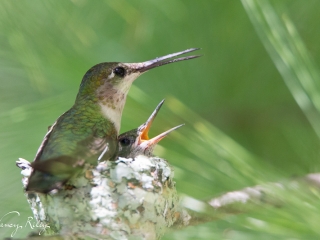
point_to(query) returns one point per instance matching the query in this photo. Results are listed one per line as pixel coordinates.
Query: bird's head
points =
(137, 142)
(108, 83)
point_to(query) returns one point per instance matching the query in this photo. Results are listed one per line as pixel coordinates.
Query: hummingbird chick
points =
(136, 141)
(91, 126)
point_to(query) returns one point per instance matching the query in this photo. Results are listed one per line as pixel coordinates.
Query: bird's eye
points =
(125, 142)
(119, 71)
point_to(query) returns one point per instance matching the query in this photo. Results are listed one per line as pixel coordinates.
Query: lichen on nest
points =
(115, 200)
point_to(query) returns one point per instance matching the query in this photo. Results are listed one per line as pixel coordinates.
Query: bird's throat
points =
(112, 97)
(112, 103)
(113, 113)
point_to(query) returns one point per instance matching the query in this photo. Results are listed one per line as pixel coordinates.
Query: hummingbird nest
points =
(131, 198)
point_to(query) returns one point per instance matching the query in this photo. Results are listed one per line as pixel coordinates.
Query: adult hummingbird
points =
(137, 142)
(89, 129)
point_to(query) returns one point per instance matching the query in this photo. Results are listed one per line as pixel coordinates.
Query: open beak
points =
(160, 61)
(143, 131)
(153, 141)
(144, 128)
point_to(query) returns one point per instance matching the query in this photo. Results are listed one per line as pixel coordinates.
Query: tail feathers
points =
(51, 174)
(44, 182)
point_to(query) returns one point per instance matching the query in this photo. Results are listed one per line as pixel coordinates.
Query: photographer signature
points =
(6, 222)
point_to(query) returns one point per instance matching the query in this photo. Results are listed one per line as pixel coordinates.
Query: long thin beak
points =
(153, 141)
(160, 61)
(144, 128)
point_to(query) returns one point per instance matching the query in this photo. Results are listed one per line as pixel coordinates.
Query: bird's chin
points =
(146, 147)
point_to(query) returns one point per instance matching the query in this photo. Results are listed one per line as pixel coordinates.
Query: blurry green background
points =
(47, 46)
